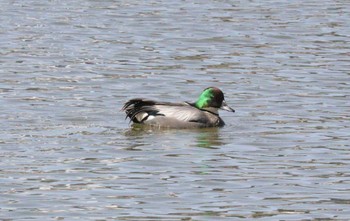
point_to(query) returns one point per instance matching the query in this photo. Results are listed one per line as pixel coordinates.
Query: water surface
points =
(67, 153)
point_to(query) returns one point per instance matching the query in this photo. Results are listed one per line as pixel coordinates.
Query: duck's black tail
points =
(138, 109)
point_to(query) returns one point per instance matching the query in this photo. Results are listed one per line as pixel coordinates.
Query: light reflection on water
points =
(67, 153)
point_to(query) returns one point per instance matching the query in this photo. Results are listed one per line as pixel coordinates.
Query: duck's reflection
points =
(209, 138)
(204, 137)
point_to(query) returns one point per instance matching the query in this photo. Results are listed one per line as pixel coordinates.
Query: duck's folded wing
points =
(140, 110)
(181, 112)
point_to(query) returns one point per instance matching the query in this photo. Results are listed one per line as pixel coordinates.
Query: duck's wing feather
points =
(138, 109)
(141, 110)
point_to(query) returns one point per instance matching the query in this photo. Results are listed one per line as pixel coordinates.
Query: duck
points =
(202, 113)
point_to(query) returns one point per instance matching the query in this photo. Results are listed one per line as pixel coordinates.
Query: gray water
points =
(67, 67)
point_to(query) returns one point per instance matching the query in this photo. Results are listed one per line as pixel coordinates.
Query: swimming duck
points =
(202, 113)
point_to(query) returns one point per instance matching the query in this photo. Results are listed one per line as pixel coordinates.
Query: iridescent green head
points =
(212, 97)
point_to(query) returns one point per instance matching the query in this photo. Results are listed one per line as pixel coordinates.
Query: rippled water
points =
(67, 67)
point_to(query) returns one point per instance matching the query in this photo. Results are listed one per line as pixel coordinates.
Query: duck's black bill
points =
(225, 107)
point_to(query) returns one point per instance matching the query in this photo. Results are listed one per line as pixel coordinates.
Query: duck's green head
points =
(212, 97)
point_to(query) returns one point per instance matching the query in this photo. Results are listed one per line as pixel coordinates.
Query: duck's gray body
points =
(171, 115)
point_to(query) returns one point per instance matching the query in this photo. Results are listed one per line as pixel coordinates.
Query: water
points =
(68, 154)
